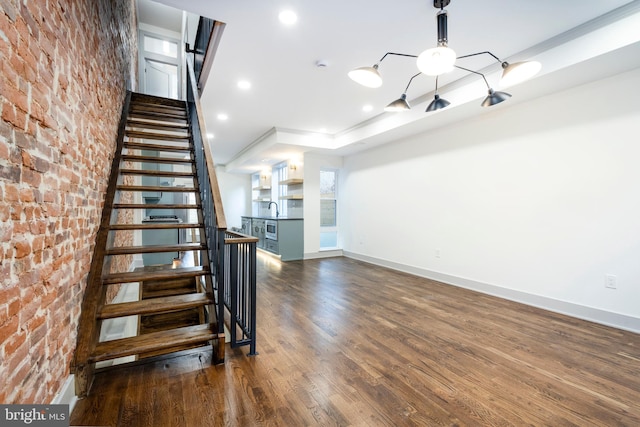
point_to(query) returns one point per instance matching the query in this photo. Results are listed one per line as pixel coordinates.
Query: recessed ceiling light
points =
(367, 108)
(209, 136)
(222, 116)
(244, 84)
(288, 17)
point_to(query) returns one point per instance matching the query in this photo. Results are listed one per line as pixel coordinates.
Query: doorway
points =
(160, 65)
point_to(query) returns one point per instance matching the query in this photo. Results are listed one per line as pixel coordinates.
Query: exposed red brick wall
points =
(64, 69)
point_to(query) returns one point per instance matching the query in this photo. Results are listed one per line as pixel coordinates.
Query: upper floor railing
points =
(204, 48)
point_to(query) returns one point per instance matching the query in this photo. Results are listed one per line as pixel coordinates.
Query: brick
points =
(14, 115)
(27, 194)
(23, 248)
(11, 192)
(24, 142)
(14, 343)
(10, 10)
(32, 25)
(11, 173)
(31, 178)
(8, 328)
(54, 159)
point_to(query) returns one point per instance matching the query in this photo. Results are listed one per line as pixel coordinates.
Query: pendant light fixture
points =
(493, 97)
(437, 103)
(442, 59)
(401, 103)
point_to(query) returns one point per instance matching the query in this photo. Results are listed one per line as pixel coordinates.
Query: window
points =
(281, 173)
(328, 209)
(161, 47)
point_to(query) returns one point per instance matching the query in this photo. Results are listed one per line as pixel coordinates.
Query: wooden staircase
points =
(175, 307)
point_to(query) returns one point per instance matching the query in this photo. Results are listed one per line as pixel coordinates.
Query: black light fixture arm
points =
(481, 53)
(397, 54)
(410, 80)
(475, 72)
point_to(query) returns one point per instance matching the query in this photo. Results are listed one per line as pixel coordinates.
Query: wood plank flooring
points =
(344, 343)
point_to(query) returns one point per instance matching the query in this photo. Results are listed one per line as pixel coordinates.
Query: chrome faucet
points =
(269, 207)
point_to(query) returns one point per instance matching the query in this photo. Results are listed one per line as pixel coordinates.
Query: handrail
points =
(232, 256)
(194, 98)
(205, 47)
(233, 237)
(240, 296)
(212, 215)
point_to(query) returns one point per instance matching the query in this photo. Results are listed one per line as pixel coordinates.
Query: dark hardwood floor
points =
(346, 343)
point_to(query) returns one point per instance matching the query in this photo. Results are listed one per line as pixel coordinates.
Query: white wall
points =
(535, 202)
(235, 190)
(313, 162)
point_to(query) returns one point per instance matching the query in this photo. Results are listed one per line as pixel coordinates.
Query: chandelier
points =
(442, 59)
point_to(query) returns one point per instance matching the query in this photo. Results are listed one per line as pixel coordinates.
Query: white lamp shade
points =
(366, 76)
(519, 72)
(436, 61)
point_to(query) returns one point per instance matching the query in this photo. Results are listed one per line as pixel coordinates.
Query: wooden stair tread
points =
(161, 118)
(140, 103)
(157, 188)
(155, 135)
(157, 147)
(165, 304)
(157, 112)
(155, 274)
(155, 226)
(143, 98)
(133, 122)
(150, 249)
(158, 107)
(155, 159)
(154, 341)
(153, 206)
(151, 172)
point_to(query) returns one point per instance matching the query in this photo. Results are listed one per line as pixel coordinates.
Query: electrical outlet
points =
(610, 281)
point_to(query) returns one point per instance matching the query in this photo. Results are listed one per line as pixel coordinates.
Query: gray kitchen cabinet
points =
(290, 236)
(271, 246)
(290, 243)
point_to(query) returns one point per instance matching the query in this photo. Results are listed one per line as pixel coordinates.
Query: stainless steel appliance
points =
(271, 229)
(258, 230)
(246, 226)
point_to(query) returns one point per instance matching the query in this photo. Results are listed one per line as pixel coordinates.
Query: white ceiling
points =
(295, 106)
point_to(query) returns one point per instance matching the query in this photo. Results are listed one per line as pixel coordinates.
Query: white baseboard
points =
(323, 254)
(608, 318)
(67, 395)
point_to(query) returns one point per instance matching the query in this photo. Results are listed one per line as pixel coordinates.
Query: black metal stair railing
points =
(240, 289)
(232, 256)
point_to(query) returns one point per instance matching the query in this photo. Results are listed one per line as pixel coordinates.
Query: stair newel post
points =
(254, 297)
(233, 290)
(221, 280)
